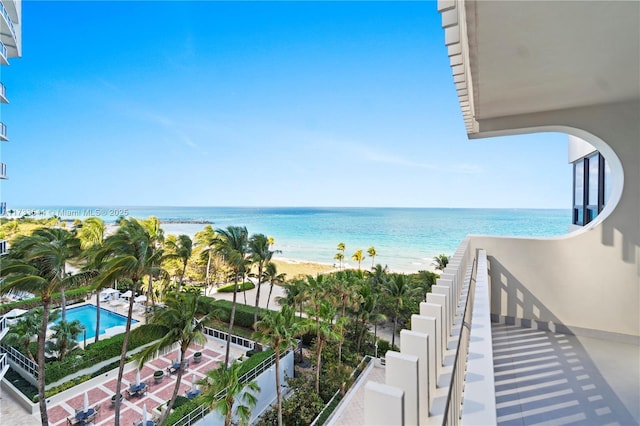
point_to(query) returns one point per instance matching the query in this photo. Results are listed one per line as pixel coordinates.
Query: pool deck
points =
(11, 413)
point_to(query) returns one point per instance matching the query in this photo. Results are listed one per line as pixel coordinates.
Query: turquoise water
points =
(87, 316)
(406, 239)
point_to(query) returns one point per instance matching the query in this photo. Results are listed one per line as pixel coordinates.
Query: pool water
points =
(87, 316)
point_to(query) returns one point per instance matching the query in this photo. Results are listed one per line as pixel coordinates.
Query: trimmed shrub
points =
(244, 313)
(247, 285)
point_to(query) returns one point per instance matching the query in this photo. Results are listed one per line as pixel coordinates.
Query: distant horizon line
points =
(114, 206)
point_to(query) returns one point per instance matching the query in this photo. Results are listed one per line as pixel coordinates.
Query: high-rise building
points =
(10, 47)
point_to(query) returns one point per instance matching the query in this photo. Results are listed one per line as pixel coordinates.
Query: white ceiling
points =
(531, 56)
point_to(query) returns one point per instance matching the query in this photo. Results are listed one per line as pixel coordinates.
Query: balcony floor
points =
(543, 377)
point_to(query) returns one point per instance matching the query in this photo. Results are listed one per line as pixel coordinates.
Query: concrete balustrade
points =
(412, 375)
(435, 311)
(417, 344)
(427, 326)
(383, 405)
(402, 373)
(445, 287)
(441, 299)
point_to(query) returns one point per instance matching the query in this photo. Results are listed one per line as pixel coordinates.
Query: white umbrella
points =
(141, 298)
(15, 313)
(194, 387)
(86, 402)
(138, 378)
(110, 290)
(126, 294)
(179, 356)
(144, 414)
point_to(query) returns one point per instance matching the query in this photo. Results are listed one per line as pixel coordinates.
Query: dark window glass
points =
(578, 178)
(592, 193)
(607, 181)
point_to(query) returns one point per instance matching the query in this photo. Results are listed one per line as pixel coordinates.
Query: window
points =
(591, 188)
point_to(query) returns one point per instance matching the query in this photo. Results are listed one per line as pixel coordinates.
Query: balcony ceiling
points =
(532, 56)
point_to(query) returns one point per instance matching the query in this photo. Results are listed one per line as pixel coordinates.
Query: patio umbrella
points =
(137, 377)
(126, 294)
(141, 298)
(194, 387)
(86, 402)
(144, 414)
(179, 356)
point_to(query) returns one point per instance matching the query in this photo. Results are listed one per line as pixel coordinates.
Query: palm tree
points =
(155, 231)
(278, 330)
(226, 380)
(64, 337)
(367, 310)
(34, 264)
(325, 332)
(92, 233)
(341, 248)
(22, 332)
(378, 276)
(129, 254)
(261, 254)
(272, 276)
(181, 249)
(358, 256)
(175, 323)
(207, 239)
(398, 287)
(233, 246)
(339, 257)
(441, 261)
(295, 294)
(61, 246)
(371, 251)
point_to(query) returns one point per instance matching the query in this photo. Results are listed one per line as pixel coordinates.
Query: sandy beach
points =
(294, 268)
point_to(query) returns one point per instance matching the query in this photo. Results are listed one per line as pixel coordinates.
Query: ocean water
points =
(406, 239)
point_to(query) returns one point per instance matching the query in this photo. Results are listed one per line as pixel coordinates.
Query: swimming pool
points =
(86, 314)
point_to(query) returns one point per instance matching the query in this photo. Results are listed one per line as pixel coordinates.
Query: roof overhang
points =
(512, 58)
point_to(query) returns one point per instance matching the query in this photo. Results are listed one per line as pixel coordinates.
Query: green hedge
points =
(247, 285)
(71, 296)
(244, 313)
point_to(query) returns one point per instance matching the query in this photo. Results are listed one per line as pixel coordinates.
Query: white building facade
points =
(10, 47)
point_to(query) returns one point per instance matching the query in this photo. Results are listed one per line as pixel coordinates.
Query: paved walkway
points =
(549, 378)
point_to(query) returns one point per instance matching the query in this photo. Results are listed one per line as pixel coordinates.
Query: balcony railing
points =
(3, 94)
(21, 360)
(204, 409)
(7, 18)
(3, 171)
(3, 132)
(3, 52)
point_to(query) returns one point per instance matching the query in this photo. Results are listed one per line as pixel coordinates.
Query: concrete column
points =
(383, 405)
(452, 275)
(441, 299)
(427, 325)
(446, 287)
(434, 310)
(415, 343)
(401, 371)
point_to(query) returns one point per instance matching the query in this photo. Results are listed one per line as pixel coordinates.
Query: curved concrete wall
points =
(589, 280)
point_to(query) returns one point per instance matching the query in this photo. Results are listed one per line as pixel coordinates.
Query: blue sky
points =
(254, 104)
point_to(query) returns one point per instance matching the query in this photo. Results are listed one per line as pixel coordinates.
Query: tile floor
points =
(543, 377)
